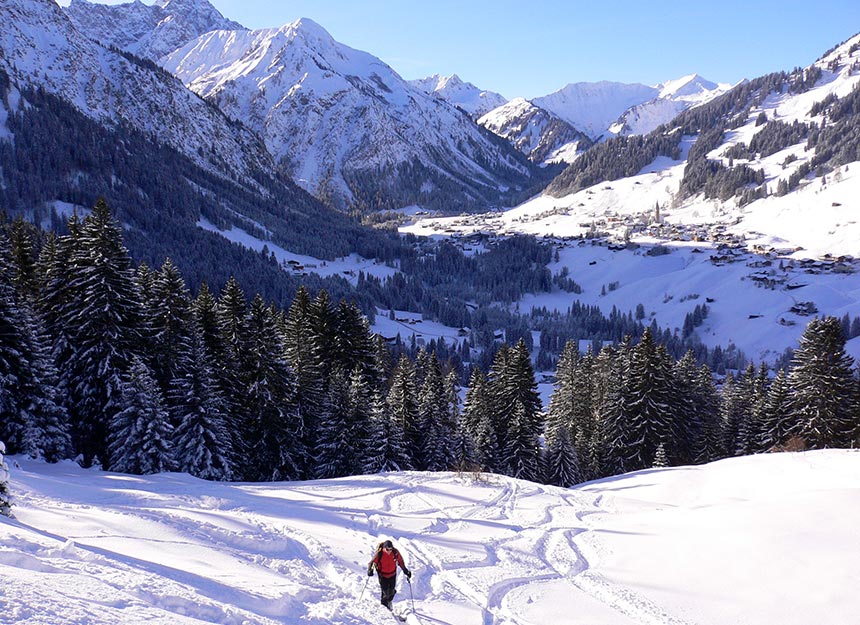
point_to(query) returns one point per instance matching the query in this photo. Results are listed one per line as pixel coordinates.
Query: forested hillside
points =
(125, 368)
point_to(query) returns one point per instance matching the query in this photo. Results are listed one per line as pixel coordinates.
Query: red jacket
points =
(386, 563)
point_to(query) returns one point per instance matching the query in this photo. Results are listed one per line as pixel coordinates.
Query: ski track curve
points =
(556, 542)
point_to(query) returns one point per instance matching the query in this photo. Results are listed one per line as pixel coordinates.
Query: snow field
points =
(750, 540)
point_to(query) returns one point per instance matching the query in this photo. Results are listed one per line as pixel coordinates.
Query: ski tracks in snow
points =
(529, 544)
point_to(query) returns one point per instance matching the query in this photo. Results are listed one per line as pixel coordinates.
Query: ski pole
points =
(365, 588)
(411, 596)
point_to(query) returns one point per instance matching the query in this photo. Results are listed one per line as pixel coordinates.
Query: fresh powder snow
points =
(751, 540)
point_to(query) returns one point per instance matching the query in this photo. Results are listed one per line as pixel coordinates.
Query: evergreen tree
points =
(171, 310)
(233, 355)
(389, 436)
(203, 440)
(5, 495)
(353, 344)
(777, 413)
(647, 412)
(562, 462)
(479, 424)
(101, 314)
(335, 451)
(518, 410)
(343, 447)
(523, 446)
(689, 404)
(303, 353)
(402, 404)
(140, 432)
(377, 451)
(735, 410)
(660, 458)
(33, 420)
(609, 390)
(272, 429)
(435, 432)
(570, 406)
(709, 444)
(824, 407)
(23, 256)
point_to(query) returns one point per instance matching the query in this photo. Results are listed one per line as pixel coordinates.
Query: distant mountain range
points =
(344, 124)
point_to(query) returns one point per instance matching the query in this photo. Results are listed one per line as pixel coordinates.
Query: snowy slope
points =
(149, 31)
(781, 243)
(760, 539)
(338, 118)
(465, 95)
(40, 47)
(537, 133)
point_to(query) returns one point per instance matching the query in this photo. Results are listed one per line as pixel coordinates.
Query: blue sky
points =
(522, 48)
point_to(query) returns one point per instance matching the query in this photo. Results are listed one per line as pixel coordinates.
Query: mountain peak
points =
(149, 31)
(465, 95)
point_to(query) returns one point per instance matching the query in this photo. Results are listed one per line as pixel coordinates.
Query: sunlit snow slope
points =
(762, 539)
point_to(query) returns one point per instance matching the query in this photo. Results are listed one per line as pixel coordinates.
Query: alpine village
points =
(261, 259)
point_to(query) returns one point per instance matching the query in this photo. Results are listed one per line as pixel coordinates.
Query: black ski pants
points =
(386, 586)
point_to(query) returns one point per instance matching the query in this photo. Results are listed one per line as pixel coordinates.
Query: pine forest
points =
(123, 367)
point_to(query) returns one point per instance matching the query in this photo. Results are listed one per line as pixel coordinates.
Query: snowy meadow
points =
(752, 540)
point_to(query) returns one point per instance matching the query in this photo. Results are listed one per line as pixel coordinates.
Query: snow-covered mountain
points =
(675, 97)
(149, 31)
(759, 539)
(40, 47)
(592, 107)
(607, 108)
(746, 203)
(343, 123)
(476, 102)
(537, 133)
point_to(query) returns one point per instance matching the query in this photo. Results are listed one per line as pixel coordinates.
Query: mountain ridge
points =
(343, 123)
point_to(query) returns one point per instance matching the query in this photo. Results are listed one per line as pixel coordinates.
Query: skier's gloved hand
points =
(408, 574)
(370, 572)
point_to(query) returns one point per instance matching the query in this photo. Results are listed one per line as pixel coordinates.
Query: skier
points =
(386, 560)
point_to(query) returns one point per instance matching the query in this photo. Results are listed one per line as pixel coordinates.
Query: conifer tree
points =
(101, 316)
(513, 388)
(345, 432)
(562, 462)
(303, 353)
(661, 460)
(140, 433)
(25, 276)
(434, 434)
(402, 401)
(777, 417)
(171, 315)
(33, 420)
(570, 406)
(272, 429)
(202, 441)
(708, 445)
(735, 410)
(335, 450)
(523, 446)
(479, 424)
(233, 355)
(647, 412)
(387, 437)
(824, 407)
(5, 495)
(353, 344)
